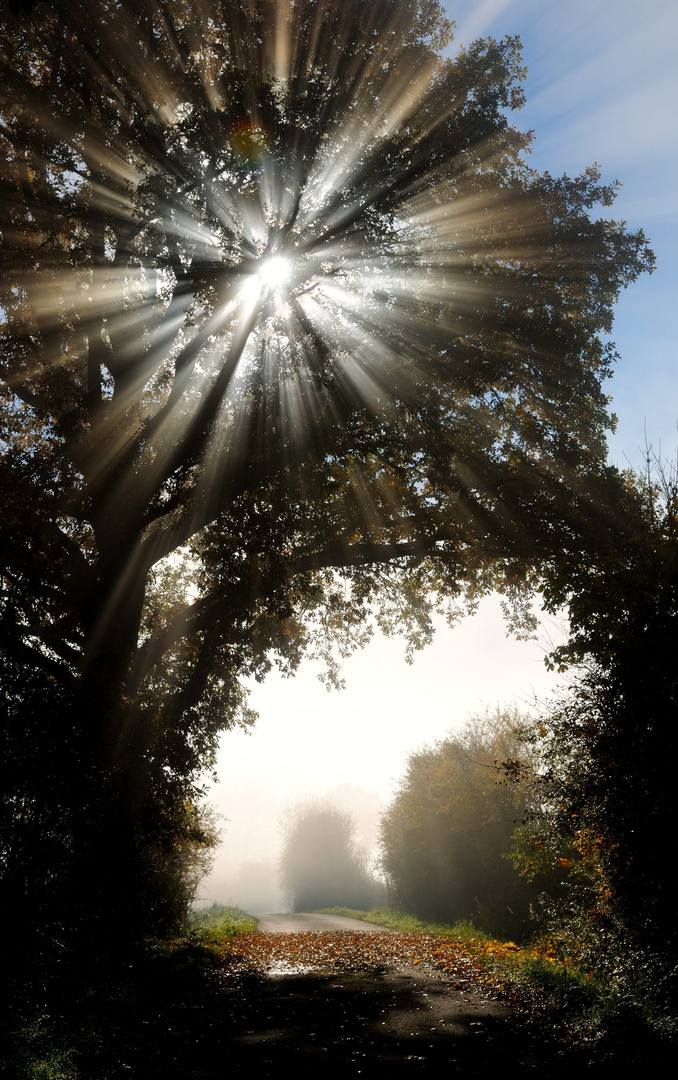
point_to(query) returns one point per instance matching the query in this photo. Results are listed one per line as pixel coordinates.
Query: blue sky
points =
(602, 87)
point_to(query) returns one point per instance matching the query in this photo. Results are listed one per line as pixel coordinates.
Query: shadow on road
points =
(188, 1021)
(386, 1023)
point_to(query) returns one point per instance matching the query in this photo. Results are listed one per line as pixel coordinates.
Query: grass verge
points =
(214, 927)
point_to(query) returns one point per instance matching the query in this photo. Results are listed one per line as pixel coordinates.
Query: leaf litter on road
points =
(347, 950)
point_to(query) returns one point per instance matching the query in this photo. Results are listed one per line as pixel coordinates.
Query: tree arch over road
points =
(283, 306)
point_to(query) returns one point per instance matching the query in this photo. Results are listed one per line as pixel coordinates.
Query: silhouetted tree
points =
(283, 305)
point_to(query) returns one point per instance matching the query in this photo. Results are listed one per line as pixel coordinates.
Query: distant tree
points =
(281, 304)
(448, 835)
(320, 864)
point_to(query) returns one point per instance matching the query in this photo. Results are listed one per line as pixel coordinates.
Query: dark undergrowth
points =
(129, 1019)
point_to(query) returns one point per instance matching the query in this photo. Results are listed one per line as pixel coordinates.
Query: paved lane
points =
(309, 996)
(272, 923)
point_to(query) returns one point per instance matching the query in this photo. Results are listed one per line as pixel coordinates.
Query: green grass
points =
(219, 920)
(410, 924)
(202, 942)
(43, 1050)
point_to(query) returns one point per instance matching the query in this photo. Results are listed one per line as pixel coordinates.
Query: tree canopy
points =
(284, 307)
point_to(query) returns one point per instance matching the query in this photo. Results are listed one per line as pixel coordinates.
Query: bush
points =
(606, 751)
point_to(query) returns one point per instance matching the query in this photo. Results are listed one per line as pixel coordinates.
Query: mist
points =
(351, 746)
(246, 871)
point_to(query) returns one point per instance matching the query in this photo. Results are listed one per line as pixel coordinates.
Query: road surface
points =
(271, 923)
(307, 997)
(309, 994)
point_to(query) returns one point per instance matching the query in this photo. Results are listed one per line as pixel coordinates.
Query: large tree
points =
(284, 306)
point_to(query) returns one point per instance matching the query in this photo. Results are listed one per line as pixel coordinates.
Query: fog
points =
(351, 746)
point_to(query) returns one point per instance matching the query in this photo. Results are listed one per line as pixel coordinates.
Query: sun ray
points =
(284, 230)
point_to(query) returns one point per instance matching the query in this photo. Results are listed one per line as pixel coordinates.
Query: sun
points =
(275, 271)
